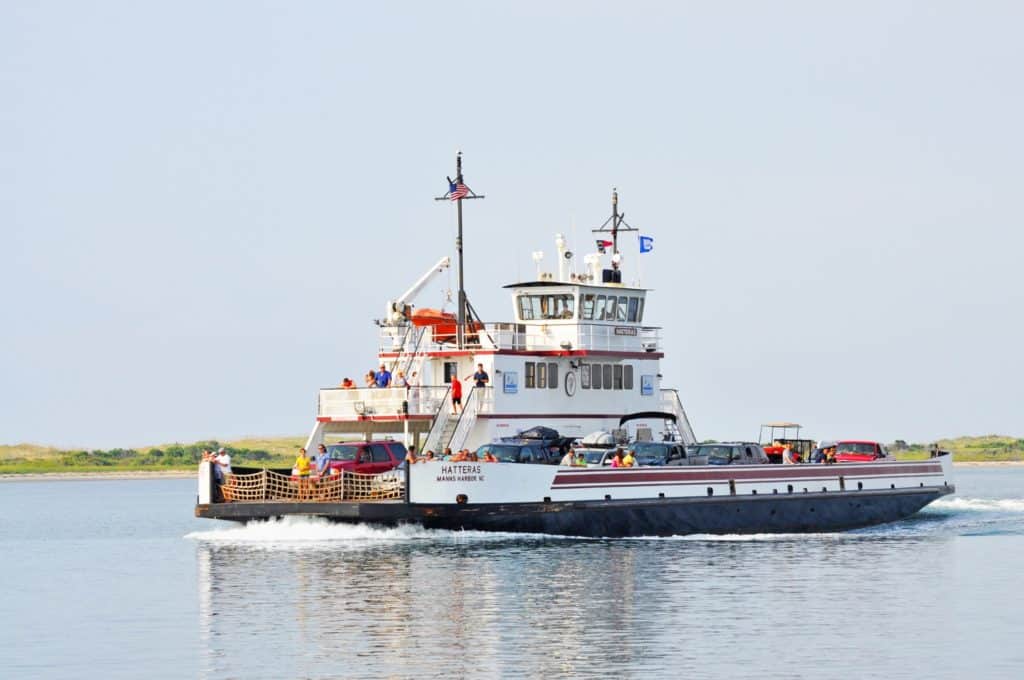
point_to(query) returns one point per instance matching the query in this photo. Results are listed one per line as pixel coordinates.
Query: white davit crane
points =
(400, 309)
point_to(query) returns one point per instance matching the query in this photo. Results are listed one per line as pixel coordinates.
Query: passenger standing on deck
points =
(617, 459)
(370, 380)
(787, 455)
(400, 380)
(569, 459)
(456, 394)
(222, 465)
(383, 377)
(321, 460)
(302, 467)
(628, 460)
(480, 377)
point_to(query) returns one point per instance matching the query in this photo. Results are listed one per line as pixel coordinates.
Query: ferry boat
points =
(580, 354)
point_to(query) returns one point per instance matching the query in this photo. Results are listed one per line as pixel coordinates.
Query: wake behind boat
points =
(578, 356)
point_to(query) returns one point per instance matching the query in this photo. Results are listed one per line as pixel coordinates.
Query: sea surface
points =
(117, 579)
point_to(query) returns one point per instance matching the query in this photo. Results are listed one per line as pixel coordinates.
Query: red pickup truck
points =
(856, 451)
(366, 458)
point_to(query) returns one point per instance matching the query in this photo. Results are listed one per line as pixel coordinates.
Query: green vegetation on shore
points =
(31, 458)
(990, 448)
(281, 452)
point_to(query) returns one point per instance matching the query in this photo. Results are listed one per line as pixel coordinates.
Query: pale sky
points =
(203, 205)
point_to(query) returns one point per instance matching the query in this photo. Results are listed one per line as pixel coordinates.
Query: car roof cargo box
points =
(539, 432)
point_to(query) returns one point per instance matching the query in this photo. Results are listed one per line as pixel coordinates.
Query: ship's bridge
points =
(579, 316)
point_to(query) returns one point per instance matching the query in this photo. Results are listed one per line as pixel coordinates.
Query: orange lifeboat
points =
(444, 324)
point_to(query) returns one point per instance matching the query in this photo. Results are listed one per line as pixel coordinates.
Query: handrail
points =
(670, 398)
(379, 401)
(553, 334)
(438, 424)
(468, 416)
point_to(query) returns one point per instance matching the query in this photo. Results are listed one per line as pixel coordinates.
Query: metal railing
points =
(442, 417)
(671, 403)
(480, 400)
(557, 335)
(339, 402)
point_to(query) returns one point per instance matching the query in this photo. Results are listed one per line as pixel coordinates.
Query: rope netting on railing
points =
(267, 485)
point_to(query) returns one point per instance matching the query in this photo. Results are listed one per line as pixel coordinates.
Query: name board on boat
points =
(624, 330)
(510, 382)
(460, 473)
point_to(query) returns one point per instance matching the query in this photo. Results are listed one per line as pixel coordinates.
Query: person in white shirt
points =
(567, 459)
(787, 455)
(222, 461)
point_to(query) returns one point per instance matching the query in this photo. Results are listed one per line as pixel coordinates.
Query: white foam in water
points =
(980, 504)
(310, 530)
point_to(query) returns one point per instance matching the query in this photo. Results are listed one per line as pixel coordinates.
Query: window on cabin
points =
(552, 375)
(585, 376)
(595, 376)
(609, 309)
(599, 308)
(634, 307)
(530, 379)
(623, 307)
(617, 376)
(542, 375)
(606, 378)
(546, 307)
(627, 377)
(587, 306)
(640, 312)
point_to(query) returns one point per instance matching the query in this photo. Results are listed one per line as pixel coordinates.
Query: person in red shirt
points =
(456, 394)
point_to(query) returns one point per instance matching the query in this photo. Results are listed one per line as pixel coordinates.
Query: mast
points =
(615, 223)
(615, 220)
(457, 191)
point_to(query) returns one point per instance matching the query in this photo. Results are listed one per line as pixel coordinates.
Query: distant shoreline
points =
(186, 474)
(113, 474)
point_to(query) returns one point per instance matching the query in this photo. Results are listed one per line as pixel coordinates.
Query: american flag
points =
(457, 191)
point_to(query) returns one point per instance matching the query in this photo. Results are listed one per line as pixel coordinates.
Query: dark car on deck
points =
(730, 453)
(659, 453)
(366, 458)
(518, 451)
(556, 444)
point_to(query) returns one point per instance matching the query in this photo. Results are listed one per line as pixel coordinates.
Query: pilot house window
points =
(546, 307)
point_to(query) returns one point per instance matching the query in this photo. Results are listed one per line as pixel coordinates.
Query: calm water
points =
(116, 579)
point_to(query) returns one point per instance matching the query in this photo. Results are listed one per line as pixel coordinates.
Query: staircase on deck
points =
(451, 430)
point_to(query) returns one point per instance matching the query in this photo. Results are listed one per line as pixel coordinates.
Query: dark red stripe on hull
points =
(767, 473)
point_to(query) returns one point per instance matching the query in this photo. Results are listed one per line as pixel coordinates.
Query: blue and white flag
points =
(646, 244)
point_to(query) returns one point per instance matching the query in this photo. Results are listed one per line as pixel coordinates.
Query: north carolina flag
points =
(602, 244)
(646, 244)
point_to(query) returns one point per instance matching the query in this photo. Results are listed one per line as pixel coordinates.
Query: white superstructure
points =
(578, 354)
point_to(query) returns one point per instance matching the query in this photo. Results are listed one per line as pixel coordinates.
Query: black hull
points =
(753, 514)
